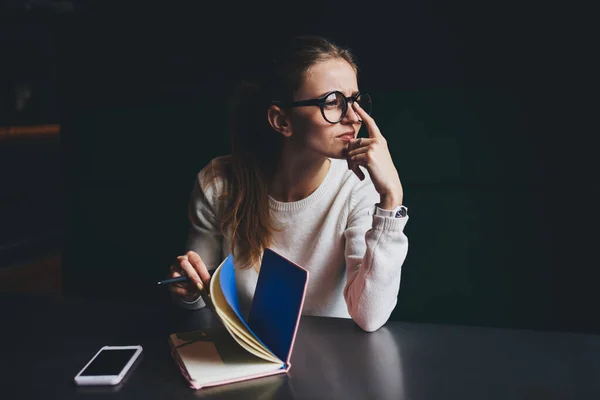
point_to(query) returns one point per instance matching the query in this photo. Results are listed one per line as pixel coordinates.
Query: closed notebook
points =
(260, 346)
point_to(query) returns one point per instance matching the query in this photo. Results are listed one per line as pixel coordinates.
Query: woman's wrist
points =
(389, 201)
(192, 298)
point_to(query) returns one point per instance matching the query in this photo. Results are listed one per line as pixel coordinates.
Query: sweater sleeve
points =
(204, 236)
(376, 248)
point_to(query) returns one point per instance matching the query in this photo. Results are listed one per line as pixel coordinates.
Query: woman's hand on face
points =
(192, 266)
(372, 153)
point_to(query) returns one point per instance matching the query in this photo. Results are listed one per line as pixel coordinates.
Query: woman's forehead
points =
(325, 76)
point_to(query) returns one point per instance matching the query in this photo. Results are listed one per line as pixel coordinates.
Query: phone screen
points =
(109, 362)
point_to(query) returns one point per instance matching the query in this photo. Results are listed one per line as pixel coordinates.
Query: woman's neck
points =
(298, 176)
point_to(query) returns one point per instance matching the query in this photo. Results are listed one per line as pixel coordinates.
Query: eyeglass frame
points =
(321, 103)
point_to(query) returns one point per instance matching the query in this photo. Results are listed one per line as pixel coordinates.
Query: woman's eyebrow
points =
(354, 93)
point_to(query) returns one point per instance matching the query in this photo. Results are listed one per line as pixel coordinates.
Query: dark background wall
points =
(482, 106)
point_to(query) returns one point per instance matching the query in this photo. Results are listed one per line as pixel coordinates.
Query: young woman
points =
(301, 182)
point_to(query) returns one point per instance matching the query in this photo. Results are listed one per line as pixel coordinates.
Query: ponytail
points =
(248, 172)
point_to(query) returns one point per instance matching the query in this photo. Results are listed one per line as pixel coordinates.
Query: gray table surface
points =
(45, 341)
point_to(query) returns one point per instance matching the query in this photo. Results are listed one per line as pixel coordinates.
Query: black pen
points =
(182, 278)
(179, 279)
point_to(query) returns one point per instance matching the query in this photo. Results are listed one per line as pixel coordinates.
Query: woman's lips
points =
(346, 137)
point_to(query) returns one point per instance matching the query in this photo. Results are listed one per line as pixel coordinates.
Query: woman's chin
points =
(339, 154)
(335, 153)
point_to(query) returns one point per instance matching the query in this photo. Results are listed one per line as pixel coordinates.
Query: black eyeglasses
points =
(334, 105)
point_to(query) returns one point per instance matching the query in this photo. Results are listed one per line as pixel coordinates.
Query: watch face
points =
(401, 212)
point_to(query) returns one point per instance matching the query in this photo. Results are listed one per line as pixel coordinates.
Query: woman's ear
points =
(279, 121)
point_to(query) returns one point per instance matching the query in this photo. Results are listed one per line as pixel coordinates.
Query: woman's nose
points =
(351, 115)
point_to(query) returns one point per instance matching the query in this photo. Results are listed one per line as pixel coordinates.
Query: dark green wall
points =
(130, 175)
(478, 236)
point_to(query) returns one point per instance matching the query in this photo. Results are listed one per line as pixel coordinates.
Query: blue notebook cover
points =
(277, 302)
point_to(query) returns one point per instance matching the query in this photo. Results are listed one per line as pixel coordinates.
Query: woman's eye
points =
(332, 98)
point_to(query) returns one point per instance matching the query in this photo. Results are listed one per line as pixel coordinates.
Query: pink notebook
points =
(245, 349)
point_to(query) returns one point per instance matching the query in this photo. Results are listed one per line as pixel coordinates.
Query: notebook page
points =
(209, 362)
(229, 290)
(232, 323)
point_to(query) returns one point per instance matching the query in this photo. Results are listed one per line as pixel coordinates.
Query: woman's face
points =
(310, 131)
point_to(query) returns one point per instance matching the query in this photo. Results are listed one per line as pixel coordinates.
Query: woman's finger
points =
(180, 291)
(175, 271)
(353, 146)
(187, 290)
(189, 270)
(374, 131)
(360, 142)
(363, 159)
(360, 150)
(357, 171)
(199, 266)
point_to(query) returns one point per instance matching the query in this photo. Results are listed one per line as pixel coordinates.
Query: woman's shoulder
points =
(217, 168)
(214, 176)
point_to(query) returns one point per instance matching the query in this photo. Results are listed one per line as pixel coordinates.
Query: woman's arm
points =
(376, 248)
(204, 236)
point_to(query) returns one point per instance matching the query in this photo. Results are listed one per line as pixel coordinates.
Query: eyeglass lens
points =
(336, 106)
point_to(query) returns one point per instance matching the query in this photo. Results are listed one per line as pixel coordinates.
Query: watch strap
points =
(397, 212)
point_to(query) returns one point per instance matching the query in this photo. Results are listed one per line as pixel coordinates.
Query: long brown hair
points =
(256, 147)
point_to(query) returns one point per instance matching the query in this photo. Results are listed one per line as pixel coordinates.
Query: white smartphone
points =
(108, 366)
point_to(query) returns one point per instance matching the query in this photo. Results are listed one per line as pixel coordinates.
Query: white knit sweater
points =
(354, 257)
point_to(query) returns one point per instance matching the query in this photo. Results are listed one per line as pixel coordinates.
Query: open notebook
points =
(258, 347)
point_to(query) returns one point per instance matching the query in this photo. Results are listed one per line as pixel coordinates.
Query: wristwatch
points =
(398, 212)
